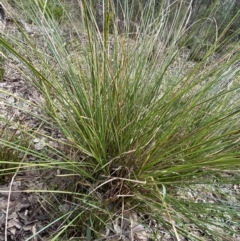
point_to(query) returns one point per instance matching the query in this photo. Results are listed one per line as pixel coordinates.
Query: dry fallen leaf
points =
(14, 223)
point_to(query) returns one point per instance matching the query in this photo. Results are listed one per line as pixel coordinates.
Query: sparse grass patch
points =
(54, 9)
(2, 67)
(10, 155)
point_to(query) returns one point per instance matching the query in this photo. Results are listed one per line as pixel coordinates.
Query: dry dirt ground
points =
(22, 212)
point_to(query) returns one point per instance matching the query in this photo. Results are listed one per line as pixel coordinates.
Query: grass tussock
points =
(139, 123)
